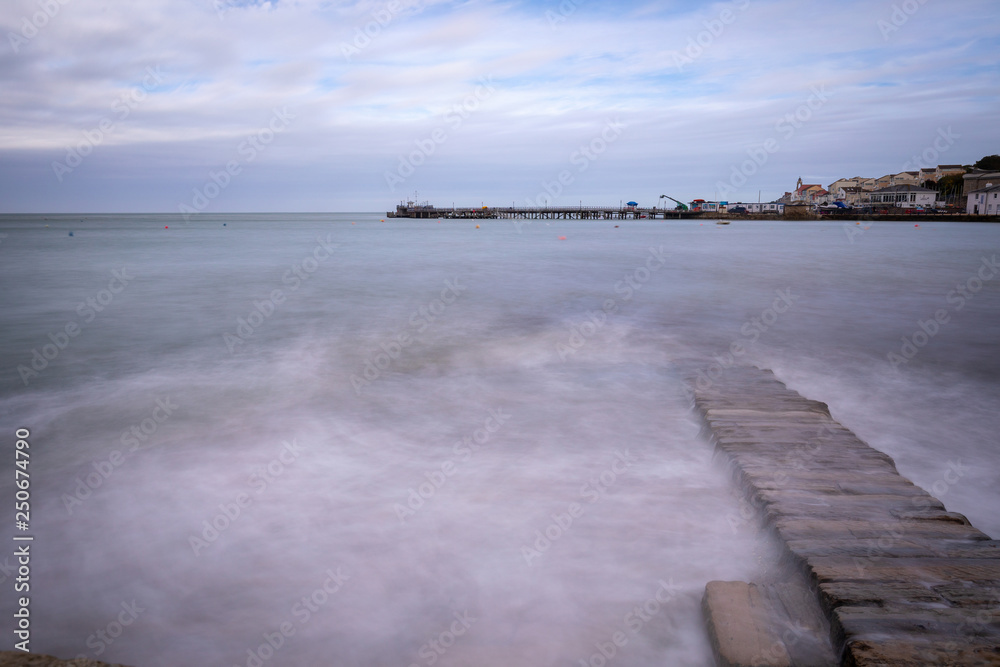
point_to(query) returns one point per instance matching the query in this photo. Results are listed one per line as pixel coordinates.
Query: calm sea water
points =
(330, 440)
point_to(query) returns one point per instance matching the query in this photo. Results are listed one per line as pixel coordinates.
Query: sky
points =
(358, 105)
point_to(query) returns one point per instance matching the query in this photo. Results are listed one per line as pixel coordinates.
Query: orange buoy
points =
(562, 238)
(477, 226)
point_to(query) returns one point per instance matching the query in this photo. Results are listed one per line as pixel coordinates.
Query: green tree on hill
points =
(989, 163)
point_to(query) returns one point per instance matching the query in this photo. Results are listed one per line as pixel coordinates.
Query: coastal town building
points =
(929, 174)
(985, 201)
(846, 183)
(977, 179)
(852, 196)
(902, 196)
(805, 192)
(947, 170)
(905, 178)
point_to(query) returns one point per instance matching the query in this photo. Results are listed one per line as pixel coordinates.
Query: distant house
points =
(905, 178)
(883, 182)
(977, 179)
(850, 196)
(902, 196)
(820, 196)
(804, 192)
(947, 170)
(928, 175)
(845, 183)
(985, 201)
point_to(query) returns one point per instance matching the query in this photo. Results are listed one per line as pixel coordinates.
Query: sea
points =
(345, 439)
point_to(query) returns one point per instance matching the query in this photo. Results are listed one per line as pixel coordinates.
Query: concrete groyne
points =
(895, 578)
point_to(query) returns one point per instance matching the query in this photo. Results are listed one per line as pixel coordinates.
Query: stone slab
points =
(900, 579)
(739, 627)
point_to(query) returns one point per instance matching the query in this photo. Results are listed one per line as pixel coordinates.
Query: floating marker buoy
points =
(916, 225)
(477, 226)
(223, 224)
(71, 233)
(562, 238)
(616, 226)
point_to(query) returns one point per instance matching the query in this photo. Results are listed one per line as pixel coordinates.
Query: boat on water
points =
(722, 222)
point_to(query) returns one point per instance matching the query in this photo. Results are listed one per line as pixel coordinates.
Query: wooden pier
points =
(896, 579)
(539, 213)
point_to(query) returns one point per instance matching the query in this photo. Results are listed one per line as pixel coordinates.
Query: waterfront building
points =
(902, 196)
(985, 201)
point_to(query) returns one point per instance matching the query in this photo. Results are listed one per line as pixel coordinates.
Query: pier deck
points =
(540, 213)
(901, 580)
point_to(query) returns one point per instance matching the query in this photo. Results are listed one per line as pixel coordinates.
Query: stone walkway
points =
(900, 580)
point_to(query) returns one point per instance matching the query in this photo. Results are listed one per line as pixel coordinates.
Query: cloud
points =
(696, 85)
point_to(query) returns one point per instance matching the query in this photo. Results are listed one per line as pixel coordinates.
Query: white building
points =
(984, 202)
(902, 196)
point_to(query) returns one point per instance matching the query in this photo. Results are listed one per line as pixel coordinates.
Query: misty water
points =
(415, 443)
